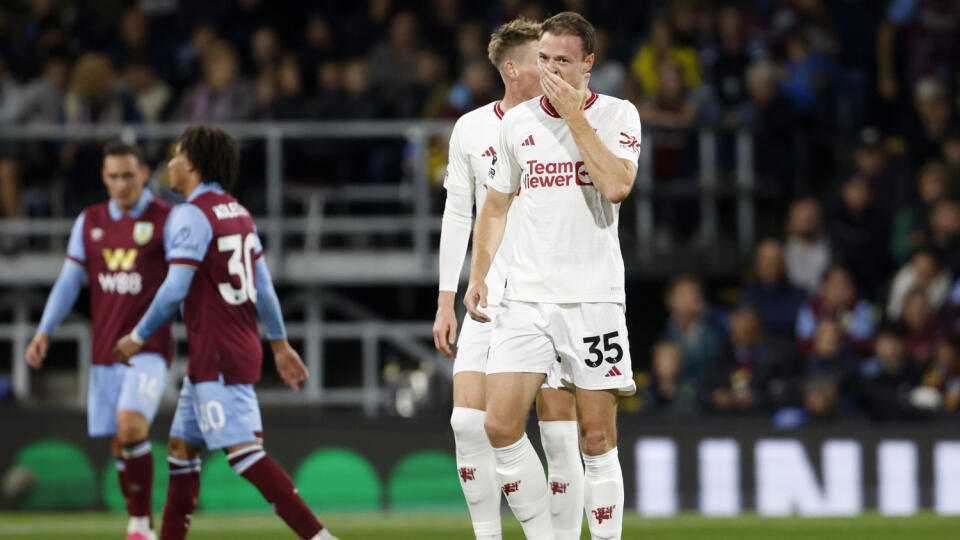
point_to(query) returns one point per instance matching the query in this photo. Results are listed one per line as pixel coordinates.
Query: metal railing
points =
(314, 265)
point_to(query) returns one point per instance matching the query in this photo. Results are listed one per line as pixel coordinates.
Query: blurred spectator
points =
(832, 356)
(475, 87)
(909, 230)
(360, 101)
(692, 326)
(922, 326)
(808, 78)
(671, 390)
(189, 55)
(135, 41)
(427, 97)
(810, 19)
(393, 61)
(659, 49)
(328, 97)
(774, 299)
(889, 377)
(608, 72)
(771, 118)
(320, 46)
(10, 107)
(222, 96)
(750, 372)
(151, 94)
(264, 49)
(941, 381)
(472, 42)
(93, 95)
(808, 246)
(279, 90)
(727, 61)
(43, 97)
(950, 152)
(859, 234)
(933, 116)
(870, 159)
(671, 113)
(837, 301)
(944, 234)
(682, 16)
(820, 395)
(931, 40)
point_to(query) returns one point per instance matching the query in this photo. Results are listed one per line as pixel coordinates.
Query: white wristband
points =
(134, 337)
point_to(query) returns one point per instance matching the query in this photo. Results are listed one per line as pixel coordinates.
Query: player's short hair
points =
(213, 152)
(508, 36)
(120, 148)
(569, 23)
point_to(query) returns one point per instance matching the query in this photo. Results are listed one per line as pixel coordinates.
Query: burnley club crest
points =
(142, 232)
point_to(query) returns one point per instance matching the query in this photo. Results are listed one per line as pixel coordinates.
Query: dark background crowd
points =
(852, 304)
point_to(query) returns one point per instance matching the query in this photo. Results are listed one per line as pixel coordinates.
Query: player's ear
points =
(588, 62)
(510, 69)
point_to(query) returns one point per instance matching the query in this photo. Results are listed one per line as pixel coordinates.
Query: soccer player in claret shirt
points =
(513, 51)
(218, 272)
(119, 246)
(573, 155)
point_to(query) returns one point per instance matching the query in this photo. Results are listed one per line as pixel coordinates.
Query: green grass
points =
(84, 526)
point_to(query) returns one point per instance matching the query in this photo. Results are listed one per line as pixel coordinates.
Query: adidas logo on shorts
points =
(614, 372)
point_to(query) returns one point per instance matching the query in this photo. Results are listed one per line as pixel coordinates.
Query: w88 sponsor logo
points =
(120, 282)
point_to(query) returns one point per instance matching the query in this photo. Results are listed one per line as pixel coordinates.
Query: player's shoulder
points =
(491, 113)
(607, 103)
(96, 211)
(522, 112)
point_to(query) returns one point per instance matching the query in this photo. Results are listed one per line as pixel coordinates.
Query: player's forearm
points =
(62, 296)
(454, 237)
(488, 234)
(167, 300)
(268, 304)
(609, 174)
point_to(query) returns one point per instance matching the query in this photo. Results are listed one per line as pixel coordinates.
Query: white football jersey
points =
(472, 151)
(566, 247)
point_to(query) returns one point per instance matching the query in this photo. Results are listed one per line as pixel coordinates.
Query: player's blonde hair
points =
(508, 36)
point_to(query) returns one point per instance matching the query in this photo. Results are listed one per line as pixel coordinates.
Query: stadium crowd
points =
(853, 305)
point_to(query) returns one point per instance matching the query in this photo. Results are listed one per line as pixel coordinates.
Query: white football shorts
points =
(590, 339)
(473, 348)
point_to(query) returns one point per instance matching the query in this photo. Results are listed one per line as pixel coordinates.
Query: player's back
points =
(220, 308)
(125, 263)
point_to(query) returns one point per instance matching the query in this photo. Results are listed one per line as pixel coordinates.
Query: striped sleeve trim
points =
(185, 261)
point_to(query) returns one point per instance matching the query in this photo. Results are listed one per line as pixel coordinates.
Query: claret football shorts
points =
(590, 339)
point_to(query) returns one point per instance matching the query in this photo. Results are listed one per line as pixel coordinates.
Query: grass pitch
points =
(447, 526)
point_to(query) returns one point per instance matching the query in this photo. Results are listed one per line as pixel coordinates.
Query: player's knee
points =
(597, 440)
(131, 430)
(465, 424)
(500, 432)
(179, 449)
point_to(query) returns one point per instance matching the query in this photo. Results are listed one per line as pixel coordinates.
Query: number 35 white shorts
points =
(590, 339)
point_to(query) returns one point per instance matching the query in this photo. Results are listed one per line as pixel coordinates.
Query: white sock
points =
(324, 534)
(561, 444)
(139, 524)
(478, 471)
(603, 495)
(525, 487)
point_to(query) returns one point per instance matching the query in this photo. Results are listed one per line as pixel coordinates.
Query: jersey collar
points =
(498, 110)
(206, 187)
(548, 108)
(138, 209)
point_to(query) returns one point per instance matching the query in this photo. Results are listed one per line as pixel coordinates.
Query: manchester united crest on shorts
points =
(142, 232)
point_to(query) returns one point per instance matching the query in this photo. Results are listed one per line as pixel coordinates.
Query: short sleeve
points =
(75, 247)
(187, 235)
(621, 133)
(505, 171)
(459, 176)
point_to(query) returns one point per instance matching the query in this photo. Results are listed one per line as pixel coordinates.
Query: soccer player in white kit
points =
(513, 51)
(573, 155)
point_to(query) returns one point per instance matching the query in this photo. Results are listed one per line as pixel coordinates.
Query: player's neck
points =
(510, 100)
(190, 188)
